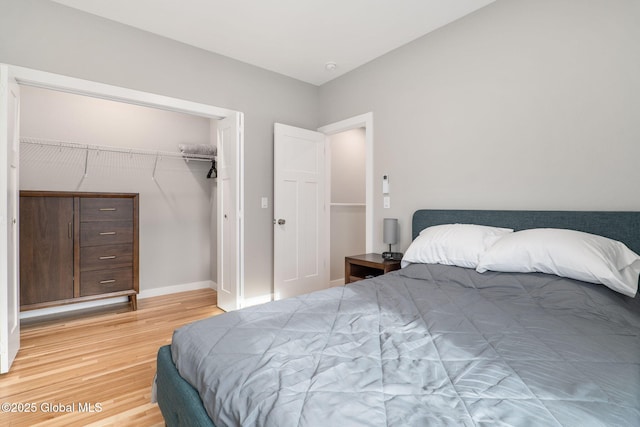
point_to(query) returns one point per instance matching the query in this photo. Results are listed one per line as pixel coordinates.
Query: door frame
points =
(362, 121)
(47, 80)
(52, 81)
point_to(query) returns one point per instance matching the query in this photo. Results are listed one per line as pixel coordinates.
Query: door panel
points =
(299, 211)
(310, 258)
(287, 203)
(9, 216)
(230, 226)
(46, 253)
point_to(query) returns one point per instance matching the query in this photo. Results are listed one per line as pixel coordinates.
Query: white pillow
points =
(452, 244)
(567, 253)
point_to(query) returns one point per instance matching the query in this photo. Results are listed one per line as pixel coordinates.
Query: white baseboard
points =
(165, 290)
(71, 307)
(184, 287)
(336, 282)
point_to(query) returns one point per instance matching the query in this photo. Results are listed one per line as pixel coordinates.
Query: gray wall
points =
(175, 207)
(523, 104)
(47, 36)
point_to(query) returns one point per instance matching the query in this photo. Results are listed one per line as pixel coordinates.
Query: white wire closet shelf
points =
(123, 150)
(153, 155)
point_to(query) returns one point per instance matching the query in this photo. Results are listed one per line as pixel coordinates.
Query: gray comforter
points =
(428, 345)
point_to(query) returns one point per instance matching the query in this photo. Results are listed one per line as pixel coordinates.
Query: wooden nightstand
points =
(360, 267)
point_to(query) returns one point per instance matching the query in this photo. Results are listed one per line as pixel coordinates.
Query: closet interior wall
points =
(348, 197)
(177, 222)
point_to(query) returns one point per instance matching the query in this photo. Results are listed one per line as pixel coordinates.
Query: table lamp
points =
(390, 237)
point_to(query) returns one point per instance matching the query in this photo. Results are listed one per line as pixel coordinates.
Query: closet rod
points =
(138, 151)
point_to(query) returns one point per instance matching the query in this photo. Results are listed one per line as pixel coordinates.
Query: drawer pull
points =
(108, 209)
(108, 257)
(104, 282)
(107, 233)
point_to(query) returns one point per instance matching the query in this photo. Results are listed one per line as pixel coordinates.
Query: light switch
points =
(265, 203)
(387, 202)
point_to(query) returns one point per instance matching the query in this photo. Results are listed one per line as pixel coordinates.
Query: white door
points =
(9, 215)
(299, 207)
(230, 259)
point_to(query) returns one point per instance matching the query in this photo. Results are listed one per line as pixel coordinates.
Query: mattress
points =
(426, 345)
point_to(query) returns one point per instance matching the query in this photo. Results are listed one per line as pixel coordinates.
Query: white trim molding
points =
(362, 121)
(46, 80)
(173, 289)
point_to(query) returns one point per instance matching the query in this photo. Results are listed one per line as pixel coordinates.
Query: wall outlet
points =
(387, 202)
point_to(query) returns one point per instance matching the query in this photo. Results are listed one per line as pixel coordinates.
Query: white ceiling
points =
(291, 37)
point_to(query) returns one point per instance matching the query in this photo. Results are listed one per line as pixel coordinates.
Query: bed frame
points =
(179, 401)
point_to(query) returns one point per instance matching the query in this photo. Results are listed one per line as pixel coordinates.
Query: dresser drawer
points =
(105, 209)
(105, 281)
(106, 256)
(106, 233)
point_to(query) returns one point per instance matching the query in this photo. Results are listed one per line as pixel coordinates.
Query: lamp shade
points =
(390, 231)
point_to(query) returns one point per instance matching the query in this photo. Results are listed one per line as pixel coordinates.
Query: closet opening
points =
(180, 230)
(348, 199)
(128, 150)
(349, 175)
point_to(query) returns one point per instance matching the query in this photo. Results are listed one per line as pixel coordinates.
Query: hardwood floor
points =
(96, 368)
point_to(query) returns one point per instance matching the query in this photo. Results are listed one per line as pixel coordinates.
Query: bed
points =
(430, 344)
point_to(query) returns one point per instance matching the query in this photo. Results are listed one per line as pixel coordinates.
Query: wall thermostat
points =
(385, 184)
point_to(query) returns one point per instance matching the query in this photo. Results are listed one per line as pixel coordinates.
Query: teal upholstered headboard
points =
(622, 226)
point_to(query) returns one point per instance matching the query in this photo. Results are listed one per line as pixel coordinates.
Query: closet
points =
(113, 168)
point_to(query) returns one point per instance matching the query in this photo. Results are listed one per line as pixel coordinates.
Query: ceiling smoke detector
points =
(330, 66)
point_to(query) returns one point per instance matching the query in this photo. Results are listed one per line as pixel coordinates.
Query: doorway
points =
(347, 208)
(360, 128)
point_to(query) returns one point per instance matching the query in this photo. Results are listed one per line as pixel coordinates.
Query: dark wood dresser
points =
(77, 247)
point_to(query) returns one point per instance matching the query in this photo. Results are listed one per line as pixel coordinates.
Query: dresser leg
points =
(134, 301)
